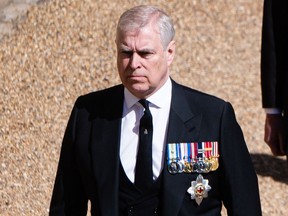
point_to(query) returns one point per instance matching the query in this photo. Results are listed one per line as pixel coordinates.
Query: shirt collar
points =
(159, 99)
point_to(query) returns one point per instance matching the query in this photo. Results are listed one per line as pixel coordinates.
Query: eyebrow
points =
(127, 49)
(124, 48)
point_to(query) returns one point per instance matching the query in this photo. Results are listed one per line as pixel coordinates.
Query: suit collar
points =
(184, 119)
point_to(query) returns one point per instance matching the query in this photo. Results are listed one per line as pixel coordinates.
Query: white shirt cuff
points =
(272, 111)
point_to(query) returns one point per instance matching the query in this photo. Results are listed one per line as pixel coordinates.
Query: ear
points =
(170, 52)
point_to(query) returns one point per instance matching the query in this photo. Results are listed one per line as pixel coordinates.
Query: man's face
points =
(142, 62)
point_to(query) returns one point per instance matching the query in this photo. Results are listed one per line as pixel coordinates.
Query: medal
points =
(188, 168)
(214, 163)
(199, 189)
(181, 167)
(173, 168)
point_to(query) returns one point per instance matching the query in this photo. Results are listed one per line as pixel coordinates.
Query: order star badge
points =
(199, 189)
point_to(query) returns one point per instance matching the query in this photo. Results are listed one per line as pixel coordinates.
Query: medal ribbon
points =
(215, 149)
(194, 151)
(201, 150)
(208, 149)
(171, 152)
(178, 152)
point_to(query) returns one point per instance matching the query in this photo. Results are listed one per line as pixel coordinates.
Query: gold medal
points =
(214, 163)
(188, 167)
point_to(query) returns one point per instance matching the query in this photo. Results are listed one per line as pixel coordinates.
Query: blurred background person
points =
(274, 74)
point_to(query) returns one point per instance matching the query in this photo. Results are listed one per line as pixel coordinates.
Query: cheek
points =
(122, 63)
(160, 71)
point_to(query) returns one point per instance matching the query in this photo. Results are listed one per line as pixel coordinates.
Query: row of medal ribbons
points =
(198, 157)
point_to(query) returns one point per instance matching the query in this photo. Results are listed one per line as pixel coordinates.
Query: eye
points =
(126, 53)
(145, 54)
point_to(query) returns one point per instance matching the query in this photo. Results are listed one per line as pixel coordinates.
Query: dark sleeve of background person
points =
(274, 63)
(274, 71)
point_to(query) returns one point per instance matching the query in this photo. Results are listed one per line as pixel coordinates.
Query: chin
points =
(139, 91)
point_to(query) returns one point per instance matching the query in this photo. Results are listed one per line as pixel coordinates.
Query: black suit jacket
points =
(89, 161)
(274, 55)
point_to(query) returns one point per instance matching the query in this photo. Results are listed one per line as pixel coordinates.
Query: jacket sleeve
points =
(68, 196)
(268, 58)
(239, 181)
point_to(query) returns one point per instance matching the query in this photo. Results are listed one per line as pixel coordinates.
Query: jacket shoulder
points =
(101, 99)
(201, 98)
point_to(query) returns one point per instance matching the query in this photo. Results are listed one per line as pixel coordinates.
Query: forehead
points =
(146, 36)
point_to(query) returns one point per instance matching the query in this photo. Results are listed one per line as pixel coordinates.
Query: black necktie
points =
(144, 174)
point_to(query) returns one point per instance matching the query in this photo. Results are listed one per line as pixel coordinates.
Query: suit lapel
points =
(105, 152)
(184, 126)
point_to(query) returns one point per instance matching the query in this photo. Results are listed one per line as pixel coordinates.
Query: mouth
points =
(136, 77)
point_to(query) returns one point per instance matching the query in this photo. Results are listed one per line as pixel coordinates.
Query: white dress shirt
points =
(159, 107)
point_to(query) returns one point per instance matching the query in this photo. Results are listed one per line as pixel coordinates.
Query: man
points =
(196, 154)
(274, 74)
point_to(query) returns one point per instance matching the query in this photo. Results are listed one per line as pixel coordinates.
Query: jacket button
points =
(130, 210)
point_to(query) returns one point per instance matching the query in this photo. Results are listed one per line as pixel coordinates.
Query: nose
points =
(135, 61)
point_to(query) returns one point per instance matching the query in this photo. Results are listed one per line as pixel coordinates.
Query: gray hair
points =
(139, 16)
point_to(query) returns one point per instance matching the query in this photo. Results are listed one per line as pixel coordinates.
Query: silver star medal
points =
(199, 189)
